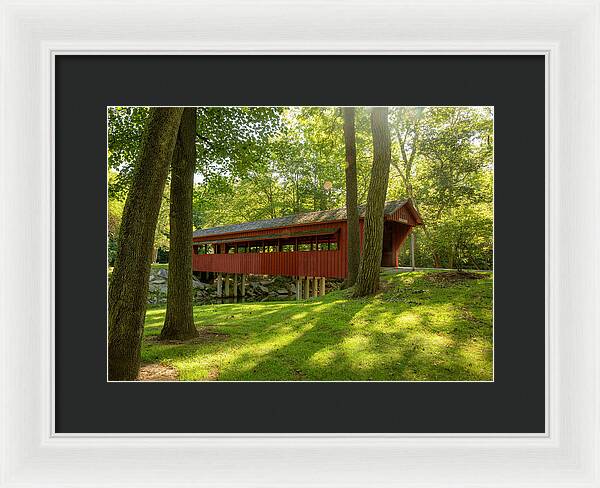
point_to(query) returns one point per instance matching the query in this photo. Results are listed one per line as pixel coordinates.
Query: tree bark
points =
(351, 196)
(367, 281)
(179, 319)
(128, 290)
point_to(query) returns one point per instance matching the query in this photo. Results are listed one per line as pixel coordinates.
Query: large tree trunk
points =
(179, 320)
(128, 291)
(351, 197)
(367, 282)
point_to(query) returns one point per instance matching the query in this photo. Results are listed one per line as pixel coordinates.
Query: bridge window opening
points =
(303, 243)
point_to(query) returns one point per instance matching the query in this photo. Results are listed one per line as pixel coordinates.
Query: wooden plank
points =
(329, 264)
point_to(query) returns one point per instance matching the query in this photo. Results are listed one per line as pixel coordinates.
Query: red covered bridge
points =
(308, 245)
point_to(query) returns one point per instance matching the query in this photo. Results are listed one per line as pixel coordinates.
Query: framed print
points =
(426, 333)
(476, 361)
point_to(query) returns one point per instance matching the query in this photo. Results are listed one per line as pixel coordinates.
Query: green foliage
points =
(455, 148)
(306, 152)
(233, 139)
(125, 130)
(265, 162)
(115, 213)
(461, 239)
(443, 157)
(417, 329)
(161, 235)
(230, 141)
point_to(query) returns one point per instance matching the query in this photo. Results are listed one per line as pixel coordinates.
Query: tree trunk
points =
(179, 319)
(128, 291)
(351, 197)
(367, 281)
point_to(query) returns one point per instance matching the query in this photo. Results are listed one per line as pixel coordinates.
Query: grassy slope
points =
(415, 330)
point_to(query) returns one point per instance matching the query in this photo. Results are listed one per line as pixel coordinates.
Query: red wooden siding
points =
(320, 263)
(402, 215)
(328, 264)
(301, 263)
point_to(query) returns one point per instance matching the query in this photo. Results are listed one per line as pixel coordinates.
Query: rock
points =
(157, 280)
(162, 272)
(292, 288)
(199, 285)
(282, 291)
(263, 289)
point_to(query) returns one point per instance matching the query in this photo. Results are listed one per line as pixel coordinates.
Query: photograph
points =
(300, 243)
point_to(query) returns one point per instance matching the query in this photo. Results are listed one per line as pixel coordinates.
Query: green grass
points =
(416, 329)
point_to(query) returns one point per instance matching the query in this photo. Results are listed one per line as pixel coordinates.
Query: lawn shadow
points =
(413, 331)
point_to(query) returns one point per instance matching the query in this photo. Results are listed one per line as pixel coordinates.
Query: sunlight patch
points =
(323, 357)
(356, 343)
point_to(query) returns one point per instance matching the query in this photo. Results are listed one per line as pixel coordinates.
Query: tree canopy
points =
(265, 162)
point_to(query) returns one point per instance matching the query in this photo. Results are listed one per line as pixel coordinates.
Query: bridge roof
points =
(308, 218)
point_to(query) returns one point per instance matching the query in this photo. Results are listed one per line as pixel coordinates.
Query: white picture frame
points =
(566, 33)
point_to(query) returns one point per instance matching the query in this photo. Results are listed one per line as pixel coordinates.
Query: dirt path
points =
(157, 372)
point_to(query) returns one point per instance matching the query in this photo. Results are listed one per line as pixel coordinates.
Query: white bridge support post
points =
(227, 285)
(220, 285)
(299, 288)
(412, 250)
(235, 285)
(315, 287)
(322, 286)
(307, 288)
(243, 290)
